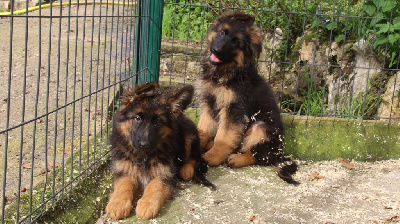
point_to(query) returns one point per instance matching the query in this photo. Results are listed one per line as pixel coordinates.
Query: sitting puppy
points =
(240, 122)
(152, 144)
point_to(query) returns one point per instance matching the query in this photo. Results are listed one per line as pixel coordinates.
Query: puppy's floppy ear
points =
(140, 91)
(236, 17)
(181, 100)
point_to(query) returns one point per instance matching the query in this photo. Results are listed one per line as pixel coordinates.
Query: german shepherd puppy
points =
(153, 144)
(240, 122)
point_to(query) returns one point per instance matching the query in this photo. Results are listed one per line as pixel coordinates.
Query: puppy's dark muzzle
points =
(221, 50)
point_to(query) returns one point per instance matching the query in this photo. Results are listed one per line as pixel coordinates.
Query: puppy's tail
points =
(199, 175)
(287, 169)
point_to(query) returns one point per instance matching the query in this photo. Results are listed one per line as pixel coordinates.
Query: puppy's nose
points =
(144, 144)
(215, 50)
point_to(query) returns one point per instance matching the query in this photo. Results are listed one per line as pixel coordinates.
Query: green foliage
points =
(185, 21)
(383, 30)
(377, 21)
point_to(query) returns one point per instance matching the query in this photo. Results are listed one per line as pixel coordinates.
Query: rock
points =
(357, 67)
(389, 108)
(271, 41)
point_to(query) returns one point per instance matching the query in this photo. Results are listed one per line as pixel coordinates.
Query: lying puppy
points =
(153, 144)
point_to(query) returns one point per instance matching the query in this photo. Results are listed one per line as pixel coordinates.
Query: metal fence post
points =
(148, 40)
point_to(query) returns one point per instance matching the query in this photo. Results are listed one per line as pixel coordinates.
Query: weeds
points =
(313, 103)
(358, 107)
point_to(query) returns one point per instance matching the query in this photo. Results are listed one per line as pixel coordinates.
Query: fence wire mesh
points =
(62, 64)
(335, 59)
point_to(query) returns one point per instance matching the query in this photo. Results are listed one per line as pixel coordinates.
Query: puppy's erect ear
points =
(142, 90)
(148, 88)
(236, 17)
(181, 100)
(255, 40)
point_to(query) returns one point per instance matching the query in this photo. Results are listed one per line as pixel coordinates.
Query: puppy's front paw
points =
(241, 160)
(212, 158)
(187, 171)
(147, 208)
(119, 209)
(236, 161)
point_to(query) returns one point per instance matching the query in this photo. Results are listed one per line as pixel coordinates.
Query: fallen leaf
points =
(392, 219)
(252, 218)
(43, 171)
(346, 163)
(9, 200)
(315, 176)
(27, 166)
(56, 165)
(218, 201)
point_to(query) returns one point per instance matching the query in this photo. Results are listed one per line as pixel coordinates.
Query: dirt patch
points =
(64, 64)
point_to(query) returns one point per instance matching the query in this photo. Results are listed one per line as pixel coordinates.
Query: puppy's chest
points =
(218, 96)
(144, 175)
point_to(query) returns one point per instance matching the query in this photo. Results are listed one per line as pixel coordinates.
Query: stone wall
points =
(18, 4)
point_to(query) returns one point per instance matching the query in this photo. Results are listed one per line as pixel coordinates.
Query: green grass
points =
(358, 106)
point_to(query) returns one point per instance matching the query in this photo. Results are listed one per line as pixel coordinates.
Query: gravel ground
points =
(330, 192)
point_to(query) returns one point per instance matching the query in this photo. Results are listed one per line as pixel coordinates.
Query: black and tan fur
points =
(240, 122)
(153, 144)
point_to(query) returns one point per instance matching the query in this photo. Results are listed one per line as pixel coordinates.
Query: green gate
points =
(148, 40)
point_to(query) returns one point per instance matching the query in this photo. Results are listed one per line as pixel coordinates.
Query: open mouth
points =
(214, 59)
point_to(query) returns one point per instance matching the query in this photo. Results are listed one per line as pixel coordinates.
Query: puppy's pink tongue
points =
(214, 58)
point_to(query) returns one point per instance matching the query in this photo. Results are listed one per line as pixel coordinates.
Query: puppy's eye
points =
(235, 40)
(156, 121)
(137, 118)
(222, 33)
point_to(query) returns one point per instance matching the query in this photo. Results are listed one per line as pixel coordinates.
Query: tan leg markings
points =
(154, 196)
(206, 126)
(241, 160)
(120, 202)
(209, 145)
(187, 170)
(227, 139)
(255, 134)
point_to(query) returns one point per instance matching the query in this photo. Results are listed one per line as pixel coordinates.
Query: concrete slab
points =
(328, 193)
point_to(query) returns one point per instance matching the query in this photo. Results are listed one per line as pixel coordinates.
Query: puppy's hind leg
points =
(255, 134)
